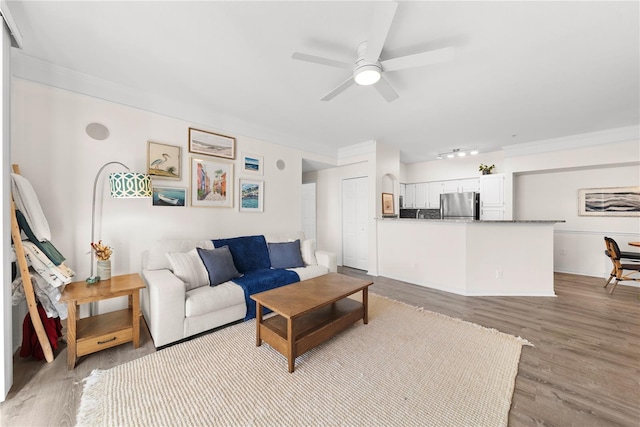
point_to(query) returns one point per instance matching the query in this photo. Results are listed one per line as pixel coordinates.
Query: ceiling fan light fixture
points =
(367, 75)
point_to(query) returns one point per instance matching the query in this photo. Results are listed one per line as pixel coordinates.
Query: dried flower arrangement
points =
(103, 252)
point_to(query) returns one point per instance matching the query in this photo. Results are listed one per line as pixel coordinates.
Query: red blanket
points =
(30, 344)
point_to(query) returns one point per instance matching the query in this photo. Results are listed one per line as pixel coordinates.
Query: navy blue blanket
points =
(261, 280)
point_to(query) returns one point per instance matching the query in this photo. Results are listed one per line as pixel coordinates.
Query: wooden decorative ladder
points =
(26, 281)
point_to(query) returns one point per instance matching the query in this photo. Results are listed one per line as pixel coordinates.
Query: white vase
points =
(104, 269)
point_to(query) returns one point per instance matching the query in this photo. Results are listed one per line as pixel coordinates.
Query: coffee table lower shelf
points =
(311, 329)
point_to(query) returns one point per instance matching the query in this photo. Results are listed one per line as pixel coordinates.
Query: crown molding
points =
(609, 136)
(348, 153)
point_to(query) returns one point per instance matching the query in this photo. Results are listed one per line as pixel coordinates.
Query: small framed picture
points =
(387, 204)
(251, 195)
(169, 196)
(211, 183)
(614, 201)
(252, 164)
(164, 161)
(212, 144)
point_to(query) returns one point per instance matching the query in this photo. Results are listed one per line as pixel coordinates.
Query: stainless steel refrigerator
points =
(460, 205)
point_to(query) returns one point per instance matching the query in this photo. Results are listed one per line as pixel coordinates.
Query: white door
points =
(355, 229)
(309, 210)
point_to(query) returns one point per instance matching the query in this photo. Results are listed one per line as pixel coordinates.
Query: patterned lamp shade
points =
(130, 184)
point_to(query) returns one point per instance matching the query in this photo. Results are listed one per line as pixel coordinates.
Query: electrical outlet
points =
(499, 274)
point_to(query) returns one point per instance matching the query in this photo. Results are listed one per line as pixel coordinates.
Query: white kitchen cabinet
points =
(435, 190)
(450, 186)
(410, 196)
(422, 195)
(403, 195)
(470, 184)
(461, 185)
(492, 190)
(492, 214)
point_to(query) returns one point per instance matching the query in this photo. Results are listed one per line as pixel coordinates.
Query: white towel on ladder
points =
(27, 202)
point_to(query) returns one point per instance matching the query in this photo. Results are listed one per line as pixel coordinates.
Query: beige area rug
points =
(407, 367)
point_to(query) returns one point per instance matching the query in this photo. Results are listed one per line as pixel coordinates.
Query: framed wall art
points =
(211, 183)
(163, 161)
(613, 201)
(251, 195)
(387, 204)
(212, 144)
(169, 196)
(252, 164)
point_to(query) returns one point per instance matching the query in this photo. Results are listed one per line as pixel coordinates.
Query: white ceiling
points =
(522, 71)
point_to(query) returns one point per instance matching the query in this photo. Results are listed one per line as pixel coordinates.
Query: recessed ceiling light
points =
(473, 152)
(462, 154)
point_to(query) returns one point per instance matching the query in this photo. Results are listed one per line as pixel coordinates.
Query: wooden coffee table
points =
(309, 313)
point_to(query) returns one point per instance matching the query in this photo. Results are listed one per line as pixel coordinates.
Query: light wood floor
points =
(583, 371)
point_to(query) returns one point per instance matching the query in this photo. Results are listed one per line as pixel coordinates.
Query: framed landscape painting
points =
(212, 144)
(614, 201)
(251, 195)
(211, 183)
(169, 196)
(252, 164)
(163, 161)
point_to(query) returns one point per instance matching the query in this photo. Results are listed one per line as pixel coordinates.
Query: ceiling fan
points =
(368, 68)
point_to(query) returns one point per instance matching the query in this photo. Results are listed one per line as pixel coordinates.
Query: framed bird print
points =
(164, 161)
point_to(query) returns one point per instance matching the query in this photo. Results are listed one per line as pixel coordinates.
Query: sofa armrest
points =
(164, 309)
(327, 259)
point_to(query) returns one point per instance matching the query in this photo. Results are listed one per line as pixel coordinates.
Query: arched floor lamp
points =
(123, 185)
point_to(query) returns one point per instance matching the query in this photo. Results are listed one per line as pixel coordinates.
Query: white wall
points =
(50, 145)
(6, 353)
(579, 243)
(329, 205)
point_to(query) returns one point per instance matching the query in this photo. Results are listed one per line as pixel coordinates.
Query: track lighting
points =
(459, 152)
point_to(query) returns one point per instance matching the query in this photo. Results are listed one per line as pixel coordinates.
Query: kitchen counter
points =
(469, 257)
(477, 221)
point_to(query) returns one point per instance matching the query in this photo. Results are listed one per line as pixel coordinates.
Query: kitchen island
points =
(469, 257)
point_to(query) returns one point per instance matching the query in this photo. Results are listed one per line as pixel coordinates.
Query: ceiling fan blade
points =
(418, 59)
(341, 88)
(385, 89)
(383, 14)
(321, 60)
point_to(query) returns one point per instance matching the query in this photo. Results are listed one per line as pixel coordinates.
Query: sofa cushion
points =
(249, 252)
(188, 267)
(308, 251)
(212, 298)
(156, 256)
(285, 255)
(219, 264)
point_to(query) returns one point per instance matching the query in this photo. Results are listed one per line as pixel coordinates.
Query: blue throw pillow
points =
(285, 255)
(249, 252)
(219, 264)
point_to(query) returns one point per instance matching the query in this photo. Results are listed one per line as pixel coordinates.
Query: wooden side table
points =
(95, 333)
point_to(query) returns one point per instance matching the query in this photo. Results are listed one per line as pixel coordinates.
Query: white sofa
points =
(173, 312)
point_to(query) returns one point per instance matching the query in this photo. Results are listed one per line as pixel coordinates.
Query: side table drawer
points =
(93, 344)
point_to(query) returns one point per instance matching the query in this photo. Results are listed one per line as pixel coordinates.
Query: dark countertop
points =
(476, 221)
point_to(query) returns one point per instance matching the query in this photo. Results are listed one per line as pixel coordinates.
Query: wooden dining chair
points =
(619, 268)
